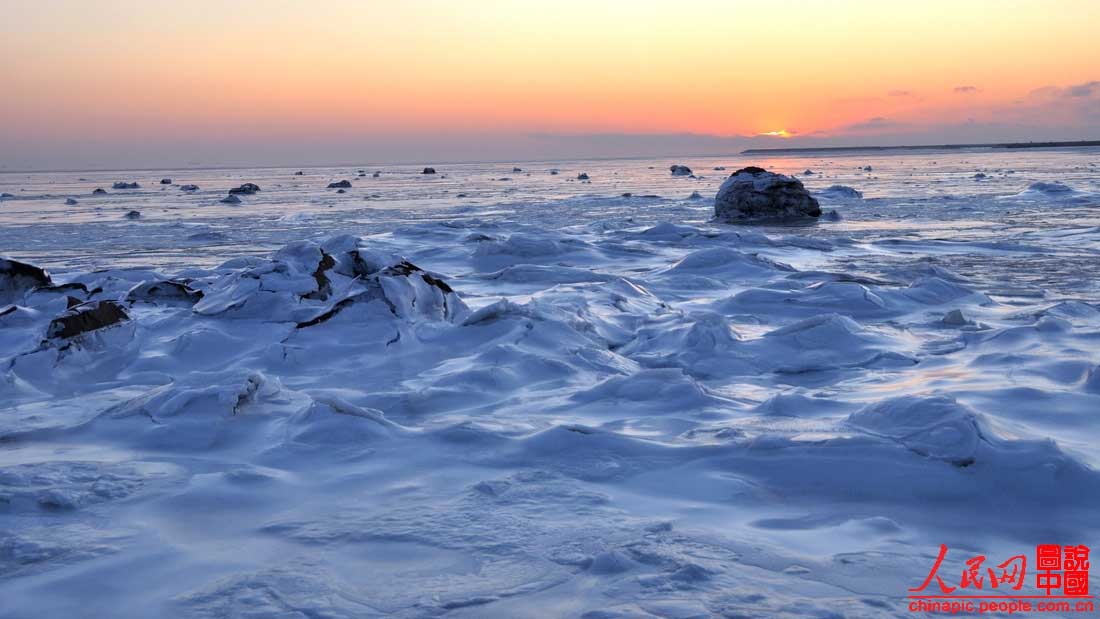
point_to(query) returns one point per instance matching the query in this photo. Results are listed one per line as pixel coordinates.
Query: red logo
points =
(1060, 573)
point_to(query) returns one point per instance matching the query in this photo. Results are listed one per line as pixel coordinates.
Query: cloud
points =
(902, 93)
(1087, 89)
(966, 90)
(877, 123)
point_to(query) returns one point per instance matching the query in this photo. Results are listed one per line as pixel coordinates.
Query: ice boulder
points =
(428, 171)
(70, 202)
(933, 427)
(310, 283)
(583, 176)
(165, 181)
(230, 199)
(1092, 381)
(755, 193)
(6, 195)
(163, 290)
(133, 215)
(841, 192)
(680, 170)
(125, 185)
(189, 187)
(1054, 188)
(98, 191)
(340, 185)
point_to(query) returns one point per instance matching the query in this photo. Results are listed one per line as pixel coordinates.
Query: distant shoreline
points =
(850, 149)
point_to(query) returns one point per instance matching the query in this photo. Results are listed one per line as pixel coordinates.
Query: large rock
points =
(18, 278)
(246, 189)
(86, 317)
(340, 185)
(680, 170)
(755, 193)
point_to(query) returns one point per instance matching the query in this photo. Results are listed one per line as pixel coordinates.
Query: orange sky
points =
(262, 71)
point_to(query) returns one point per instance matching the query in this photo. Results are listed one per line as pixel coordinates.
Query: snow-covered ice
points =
(545, 397)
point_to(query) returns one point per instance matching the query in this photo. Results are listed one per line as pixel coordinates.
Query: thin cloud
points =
(1087, 89)
(876, 123)
(966, 90)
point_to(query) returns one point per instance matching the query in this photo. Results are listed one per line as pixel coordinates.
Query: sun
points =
(782, 133)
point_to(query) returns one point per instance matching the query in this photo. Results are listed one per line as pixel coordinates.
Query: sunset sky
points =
(150, 83)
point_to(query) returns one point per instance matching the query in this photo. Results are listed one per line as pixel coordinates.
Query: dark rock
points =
(6, 195)
(324, 288)
(246, 189)
(755, 193)
(808, 173)
(515, 170)
(165, 181)
(125, 185)
(340, 185)
(341, 191)
(85, 318)
(299, 173)
(428, 171)
(680, 170)
(583, 176)
(627, 195)
(189, 187)
(230, 199)
(719, 168)
(71, 202)
(99, 190)
(867, 168)
(554, 172)
(376, 174)
(17, 278)
(133, 215)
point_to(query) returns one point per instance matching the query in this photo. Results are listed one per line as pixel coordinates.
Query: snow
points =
(542, 399)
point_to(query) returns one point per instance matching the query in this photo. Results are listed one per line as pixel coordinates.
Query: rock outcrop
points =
(86, 317)
(754, 193)
(18, 278)
(246, 189)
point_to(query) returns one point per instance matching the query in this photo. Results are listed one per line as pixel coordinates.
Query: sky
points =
(156, 83)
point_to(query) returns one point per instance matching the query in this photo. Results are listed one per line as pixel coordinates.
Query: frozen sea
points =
(499, 391)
